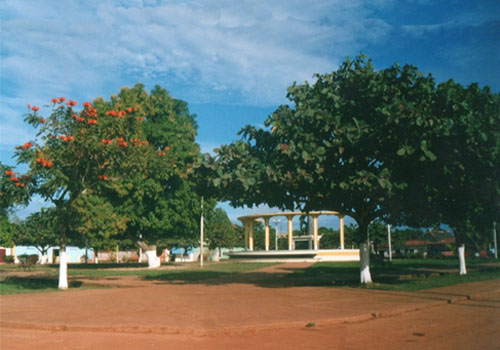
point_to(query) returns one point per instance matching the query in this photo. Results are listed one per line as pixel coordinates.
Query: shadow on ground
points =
(327, 276)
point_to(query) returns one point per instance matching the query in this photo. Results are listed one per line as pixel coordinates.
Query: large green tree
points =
(348, 143)
(220, 231)
(39, 230)
(78, 153)
(161, 206)
(464, 185)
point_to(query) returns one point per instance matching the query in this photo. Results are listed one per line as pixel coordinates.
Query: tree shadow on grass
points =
(322, 276)
(15, 284)
(261, 279)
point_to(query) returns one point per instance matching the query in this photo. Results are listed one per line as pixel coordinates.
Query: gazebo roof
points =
(292, 213)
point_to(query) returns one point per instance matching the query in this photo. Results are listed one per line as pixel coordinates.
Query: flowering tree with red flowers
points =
(114, 170)
(12, 192)
(80, 152)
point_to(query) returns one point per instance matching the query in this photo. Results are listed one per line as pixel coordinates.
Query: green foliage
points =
(386, 144)
(39, 230)
(331, 238)
(115, 170)
(219, 230)
(347, 145)
(161, 206)
(6, 232)
(465, 188)
(97, 221)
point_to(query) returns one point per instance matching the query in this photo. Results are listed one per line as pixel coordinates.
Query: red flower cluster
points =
(78, 119)
(106, 142)
(140, 119)
(66, 138)
(131, 109)
(138, 142)
(14, 179)
(162, 154)
(120, 142)
(167, 148)
(26, 145)
(9, 172)
(116, 114)
(71, 103)
(91, 121)
(58, 100)
(102, 177)
(41, 120)
(45, 163)
(90, 112)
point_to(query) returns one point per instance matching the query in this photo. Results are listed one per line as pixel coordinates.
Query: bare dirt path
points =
(250, 312)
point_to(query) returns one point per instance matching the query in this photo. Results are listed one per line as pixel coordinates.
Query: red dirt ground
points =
(250, 312)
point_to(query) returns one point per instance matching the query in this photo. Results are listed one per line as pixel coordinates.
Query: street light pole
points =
(389, 240)
(201, 234)
(495, 238)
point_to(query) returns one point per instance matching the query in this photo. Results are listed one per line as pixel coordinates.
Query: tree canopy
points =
(114, 170)
(369, 144)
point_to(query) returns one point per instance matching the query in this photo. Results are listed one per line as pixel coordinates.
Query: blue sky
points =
(230, 60)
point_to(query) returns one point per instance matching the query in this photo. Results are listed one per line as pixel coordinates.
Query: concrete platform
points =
(298, 255)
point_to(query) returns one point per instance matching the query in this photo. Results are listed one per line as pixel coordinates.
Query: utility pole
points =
(389, 240)
(495, 238)
(201, 234)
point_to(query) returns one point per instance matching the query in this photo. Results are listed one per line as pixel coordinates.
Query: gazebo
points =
(313, 253)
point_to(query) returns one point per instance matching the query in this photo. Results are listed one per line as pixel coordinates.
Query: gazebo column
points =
(266, 233)
(289, 219)
(315, 231)
(341, 230)
(250, 235)
(246, 225)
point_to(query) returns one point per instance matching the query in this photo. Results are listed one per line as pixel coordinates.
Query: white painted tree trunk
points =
(215, 255)
(150, 252)
(153, 260)
(63, 269)
(461, 258)
(364, 255)
(43, 259)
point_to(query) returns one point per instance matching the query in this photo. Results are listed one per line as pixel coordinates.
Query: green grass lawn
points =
(408, 275)
(46, 275)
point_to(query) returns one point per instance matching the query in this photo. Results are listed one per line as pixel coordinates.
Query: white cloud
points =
(249, 50)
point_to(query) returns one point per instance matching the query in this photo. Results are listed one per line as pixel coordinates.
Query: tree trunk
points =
(215, 255)
(461, 258)
(364, 254)
(63, 268)
(150, 252)
(153, 259)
